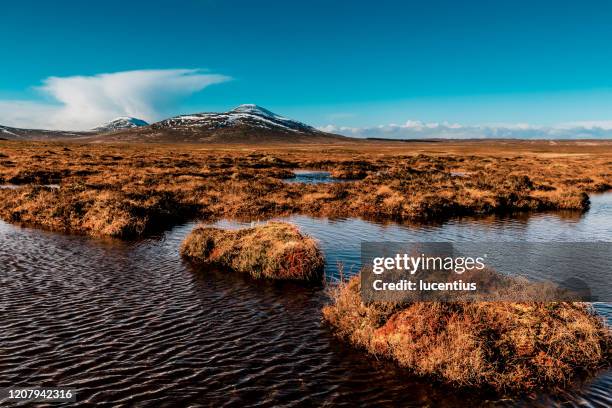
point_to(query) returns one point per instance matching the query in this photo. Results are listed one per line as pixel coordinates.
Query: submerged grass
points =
(506, 346)
(129, 190)
(274, 250)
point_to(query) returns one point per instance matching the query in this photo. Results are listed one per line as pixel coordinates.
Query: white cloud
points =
(83, 102)
(414, 129)
(601, 124)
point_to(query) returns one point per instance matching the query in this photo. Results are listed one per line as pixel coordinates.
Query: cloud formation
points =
(422, 130)
(84, 102)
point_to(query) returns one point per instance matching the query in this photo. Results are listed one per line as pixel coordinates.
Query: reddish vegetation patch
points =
(503, 345)
(274, 250)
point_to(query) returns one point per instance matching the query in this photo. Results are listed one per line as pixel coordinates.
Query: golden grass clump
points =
(109, 213)
(274, 250)
(507, 346)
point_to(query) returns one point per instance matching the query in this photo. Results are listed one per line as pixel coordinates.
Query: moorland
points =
(130, 190)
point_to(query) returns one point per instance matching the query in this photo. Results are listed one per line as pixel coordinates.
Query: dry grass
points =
(274, 250)
(129, 190)
(506, 346)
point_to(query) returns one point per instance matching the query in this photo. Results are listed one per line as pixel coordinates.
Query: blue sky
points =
(343, 63)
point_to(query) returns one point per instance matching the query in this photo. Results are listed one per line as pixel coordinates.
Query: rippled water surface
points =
(131, 324)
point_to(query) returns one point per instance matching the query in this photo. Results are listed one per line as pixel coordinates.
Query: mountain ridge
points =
(247, 123)
(13, 133)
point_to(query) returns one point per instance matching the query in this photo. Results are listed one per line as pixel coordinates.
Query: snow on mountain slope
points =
(7, 132)
(123, 122)
(246, 115)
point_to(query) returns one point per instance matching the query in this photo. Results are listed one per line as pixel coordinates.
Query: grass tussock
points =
(274, 250)
(501, 345)
(101, 213)
(129, 190)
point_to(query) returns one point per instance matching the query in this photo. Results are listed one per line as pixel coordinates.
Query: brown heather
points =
(274, 250)
(129, 190)
(506, 346)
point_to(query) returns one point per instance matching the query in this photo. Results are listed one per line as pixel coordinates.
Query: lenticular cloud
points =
(83, 102)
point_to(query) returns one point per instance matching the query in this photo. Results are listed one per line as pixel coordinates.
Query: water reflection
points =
(341, 238)
(17, 186)
(312, 177)
(132, 324)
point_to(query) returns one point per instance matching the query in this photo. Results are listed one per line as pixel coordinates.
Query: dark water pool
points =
(313, 177)
(130, 324)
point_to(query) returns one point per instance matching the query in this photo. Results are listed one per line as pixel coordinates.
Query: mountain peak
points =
(122, 122)
(252, 109)
(244, 124)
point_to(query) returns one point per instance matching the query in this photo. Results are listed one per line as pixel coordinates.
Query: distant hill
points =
(243, 124)
(12, 133)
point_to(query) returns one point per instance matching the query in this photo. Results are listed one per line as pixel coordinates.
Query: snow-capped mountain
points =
(243, 124)
(248, 115)
(121, 123)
